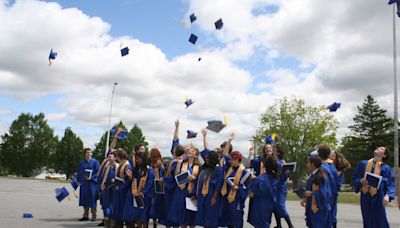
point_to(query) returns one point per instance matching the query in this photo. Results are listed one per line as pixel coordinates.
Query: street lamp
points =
(109, 121)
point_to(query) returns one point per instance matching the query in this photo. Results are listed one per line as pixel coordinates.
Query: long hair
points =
(155, 155)
(213, 160)
(271, 166)
(341, 162)
(142, 166)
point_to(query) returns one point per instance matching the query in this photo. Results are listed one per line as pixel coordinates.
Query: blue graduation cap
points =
(219, 24)
(215, 125)
(52, 55)
(122, 135)
(61, 193)
(398, 5)
(74, 183)
(188, 102)
(191, 134)
(333, 107)
(192, 38)
(192, 18)
(270, 139)
(27, 215)
(124, 51)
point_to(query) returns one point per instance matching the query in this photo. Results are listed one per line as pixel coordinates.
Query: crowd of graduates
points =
(136, 188)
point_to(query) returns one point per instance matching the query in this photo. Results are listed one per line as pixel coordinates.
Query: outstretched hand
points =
(176, 123)
(204, 132)
(231, 137)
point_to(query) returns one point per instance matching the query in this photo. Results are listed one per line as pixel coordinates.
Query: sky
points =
(317, 50)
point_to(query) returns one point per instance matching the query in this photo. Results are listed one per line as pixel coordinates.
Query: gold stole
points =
(339, 173)
(103, 183)
(170, 167)
(365, 188)
(104, 164)
(122, 169)
(328, 161)
(137, 190)
(262, 168)
(314, 205)
(206, 184)
(232, 192)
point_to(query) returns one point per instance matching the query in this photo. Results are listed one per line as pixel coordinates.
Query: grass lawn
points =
(344, 197)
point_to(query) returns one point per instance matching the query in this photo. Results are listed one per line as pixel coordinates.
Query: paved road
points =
(37, 197)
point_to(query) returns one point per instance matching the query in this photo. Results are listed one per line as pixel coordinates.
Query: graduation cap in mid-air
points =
(124, 51)
(52, 55)
(270, 139)
(61, 193)
(191, 134)
(217, 125)
(74, 183)
(122, 133)
(192, 18)
(398, 5)
(193, 38)
(27, 215)
(219, 24)
(333, 107)
(188, 102)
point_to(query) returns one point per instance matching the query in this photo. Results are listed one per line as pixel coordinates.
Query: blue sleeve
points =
(174, 144)
(79, 175)
(204, 153)
(261, 187)
(390, 186)
(127, 183)
(336, 177)
(323, 195)
(95, 167)
(147, 190)
(357, 176)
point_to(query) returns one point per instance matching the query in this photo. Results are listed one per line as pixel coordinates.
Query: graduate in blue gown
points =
(264, 191)
(169, 178)
(373, 200)
(208, 188)
(233, 197)
(141, 189)
(318, 195)
(280, 210)
(157, 202)
(121, 187)
(106, 189)
(324, 152)
(86, 175)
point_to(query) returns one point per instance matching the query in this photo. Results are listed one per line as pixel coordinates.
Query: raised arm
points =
(251, 156)
(115, 139)
(228, 144)
(176, 132)
(205, 142)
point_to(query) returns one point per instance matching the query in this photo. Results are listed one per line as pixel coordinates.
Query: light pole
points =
(396, 124)
(109, 121)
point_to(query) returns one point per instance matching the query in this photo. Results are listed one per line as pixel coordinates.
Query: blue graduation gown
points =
(264, 188)
(373, 211)
(119, 194)
(334, 185)
(255, 164)
(280, 206)
(157, 202)
(101, 172)
(107, 193)
(207, 215)
(177, 210)
(170, 186)
(132, 213)
(88, 188)
(321, 219)
(232, 213)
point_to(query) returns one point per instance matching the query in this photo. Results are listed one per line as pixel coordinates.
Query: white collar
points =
(315, 171)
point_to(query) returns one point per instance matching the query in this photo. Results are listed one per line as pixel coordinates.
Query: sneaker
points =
(84, 219)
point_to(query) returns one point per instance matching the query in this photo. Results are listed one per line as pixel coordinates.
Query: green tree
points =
(135, 137)
(68, 153)
(371, 129)
(299, 129)
(27, 145)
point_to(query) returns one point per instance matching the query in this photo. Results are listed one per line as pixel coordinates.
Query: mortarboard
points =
(122, 133)
(61, 193)
(52, 55)
(188, 102)
(192, 38)
(192, 18)
(74, 183)
(398, 5)
(333, 107)
(191, 134)
(270, 139)
(215, 125)
(124, 51)
(27, 215)
(219, 24)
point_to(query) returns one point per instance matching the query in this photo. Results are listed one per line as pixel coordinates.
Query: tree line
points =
(30, 145)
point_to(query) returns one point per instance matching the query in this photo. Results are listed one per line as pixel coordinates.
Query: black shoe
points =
(93, 219)
(84, 219)
(101, 224)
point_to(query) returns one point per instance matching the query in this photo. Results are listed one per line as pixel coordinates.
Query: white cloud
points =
(55, 116)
